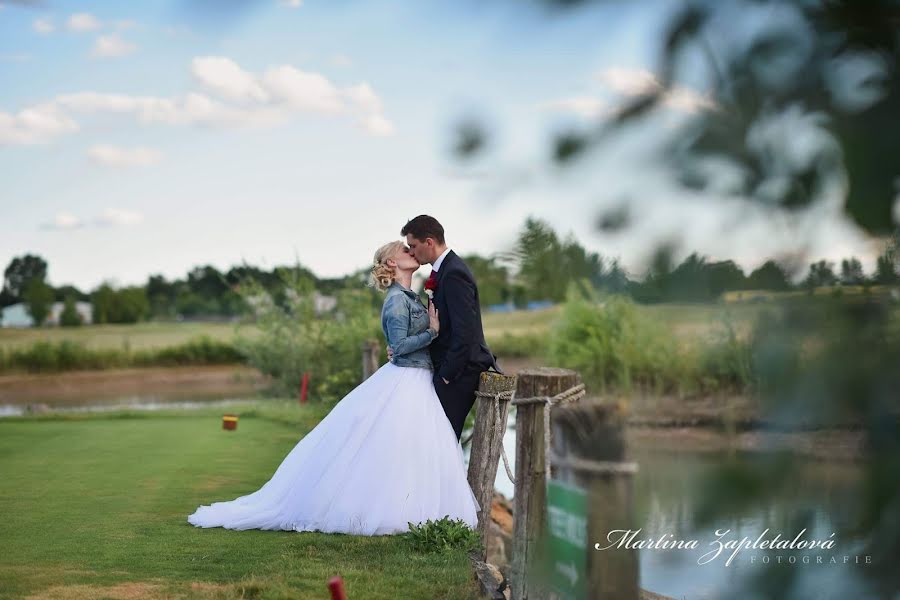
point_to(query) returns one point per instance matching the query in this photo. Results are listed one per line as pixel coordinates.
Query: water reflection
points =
(148, 403)
(668, 490)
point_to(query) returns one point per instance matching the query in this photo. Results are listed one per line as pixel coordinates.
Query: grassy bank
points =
(95, 505)
(68, 355)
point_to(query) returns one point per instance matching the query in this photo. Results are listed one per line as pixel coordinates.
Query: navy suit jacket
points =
(460, 343)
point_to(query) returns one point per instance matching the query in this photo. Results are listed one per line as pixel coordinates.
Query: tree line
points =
(540, 267)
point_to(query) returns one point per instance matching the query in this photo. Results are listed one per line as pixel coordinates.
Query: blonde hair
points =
(382, 275)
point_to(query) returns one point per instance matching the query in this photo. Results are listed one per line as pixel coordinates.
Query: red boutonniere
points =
(431, 285)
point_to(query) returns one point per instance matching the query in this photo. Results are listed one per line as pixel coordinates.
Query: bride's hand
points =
(433, 321)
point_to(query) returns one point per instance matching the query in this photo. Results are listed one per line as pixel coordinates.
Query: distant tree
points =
(688, 281)
(492, 279)
(70, 317)
(161, 296)
(38, 297)
(126, 305)
(887, 267)
(769, 276)
(821, 274)
(538, 252)
(578, 264)
(102, 300)
(615, 281)
(852, 272)
(20, 271)
(61, 293)
(886, 271)
(725, 276)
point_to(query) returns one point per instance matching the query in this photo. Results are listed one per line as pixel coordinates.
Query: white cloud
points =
(35, 124)
(83, 22)
(115, 156)
(639, 82)
(583, 106)
(124, 24)
(291, 3)
(112, 46)
(63, 221)
(43, 26)
(302, 90)
(224, 76)
(278, 94)
(118, 216)
(377, 125)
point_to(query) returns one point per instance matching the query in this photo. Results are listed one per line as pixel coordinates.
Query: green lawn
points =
(96, 506)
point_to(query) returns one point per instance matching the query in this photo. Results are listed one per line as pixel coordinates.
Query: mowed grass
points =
(95, 506)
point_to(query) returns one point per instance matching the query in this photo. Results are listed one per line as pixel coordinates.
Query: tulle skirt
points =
(384, 457)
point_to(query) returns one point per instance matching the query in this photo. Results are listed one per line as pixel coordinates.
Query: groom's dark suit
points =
(459, 353)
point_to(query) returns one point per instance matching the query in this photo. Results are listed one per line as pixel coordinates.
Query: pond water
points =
(150, 401)
(669, 488)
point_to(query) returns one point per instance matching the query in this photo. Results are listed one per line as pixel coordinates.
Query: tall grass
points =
(614, 347)
(68, 355)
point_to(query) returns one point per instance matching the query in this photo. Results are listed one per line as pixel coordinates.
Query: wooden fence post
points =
(371, 349)
(529, 502)
(588, 451)
(487, 444)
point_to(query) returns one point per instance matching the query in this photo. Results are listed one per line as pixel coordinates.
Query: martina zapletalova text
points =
(777, 548)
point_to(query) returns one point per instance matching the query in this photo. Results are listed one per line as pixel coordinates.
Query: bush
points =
(609, 345)
(444, 535)
(291, 338)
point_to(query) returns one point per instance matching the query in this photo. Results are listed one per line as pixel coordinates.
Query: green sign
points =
(567, 539)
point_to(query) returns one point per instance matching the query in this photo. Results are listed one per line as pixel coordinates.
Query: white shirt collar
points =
(437, 264)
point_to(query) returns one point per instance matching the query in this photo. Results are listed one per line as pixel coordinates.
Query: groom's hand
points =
(390, 354)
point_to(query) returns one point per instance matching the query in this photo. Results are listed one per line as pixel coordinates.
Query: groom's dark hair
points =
(423, 227)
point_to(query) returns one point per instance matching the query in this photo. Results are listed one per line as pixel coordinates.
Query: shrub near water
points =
(612, 346)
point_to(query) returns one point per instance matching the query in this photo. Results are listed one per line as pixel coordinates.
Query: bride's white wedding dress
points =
(385, 456)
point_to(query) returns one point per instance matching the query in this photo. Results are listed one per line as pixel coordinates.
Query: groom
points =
(459, 353)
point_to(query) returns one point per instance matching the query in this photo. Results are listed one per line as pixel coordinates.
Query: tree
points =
(852, 272)
(821, 274)
(538, 252)
(38, 297)
(61, 293)
(769, 276)
(887, 267)
(615, 281)
(20, 271)
(126, 305)
(70, 317)
(492, 279)
(725, 276)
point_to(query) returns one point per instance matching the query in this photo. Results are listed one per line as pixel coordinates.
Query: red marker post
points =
(336, 587)
(304, 387)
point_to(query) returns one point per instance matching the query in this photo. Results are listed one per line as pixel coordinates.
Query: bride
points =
(385, 456)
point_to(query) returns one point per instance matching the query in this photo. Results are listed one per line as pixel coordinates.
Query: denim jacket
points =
(405, 324)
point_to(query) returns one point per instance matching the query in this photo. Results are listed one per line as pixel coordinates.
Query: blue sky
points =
(140, 138)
